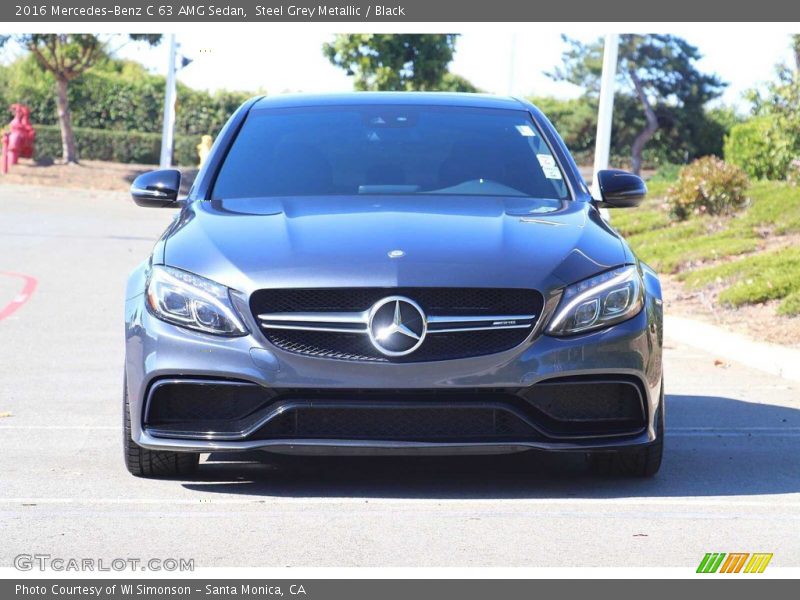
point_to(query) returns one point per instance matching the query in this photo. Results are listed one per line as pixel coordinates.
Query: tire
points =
(637, 462)
(142, 462)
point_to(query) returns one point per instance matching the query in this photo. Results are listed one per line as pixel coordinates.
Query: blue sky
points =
(289, 59)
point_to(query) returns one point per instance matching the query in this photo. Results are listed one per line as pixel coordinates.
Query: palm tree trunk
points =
(68, 151)
(649, 130)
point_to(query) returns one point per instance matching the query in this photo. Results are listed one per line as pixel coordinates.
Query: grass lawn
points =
(770, 275)
(737, 252)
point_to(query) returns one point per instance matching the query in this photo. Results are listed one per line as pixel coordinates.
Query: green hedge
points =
(760, 147)
(117, 146)
(118, 95)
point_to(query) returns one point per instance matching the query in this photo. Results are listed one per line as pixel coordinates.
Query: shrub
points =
(707, 186)
(760, 148)
(790, 305)
(184, 150)
(112, 145)
(793, 173)
(668, 172)
(115, 94)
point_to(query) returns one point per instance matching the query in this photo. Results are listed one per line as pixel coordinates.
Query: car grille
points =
(461, 305)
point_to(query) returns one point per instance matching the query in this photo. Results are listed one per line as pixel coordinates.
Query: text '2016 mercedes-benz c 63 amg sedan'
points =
(413, 273)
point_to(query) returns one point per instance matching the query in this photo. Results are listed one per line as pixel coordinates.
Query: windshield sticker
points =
(549, 167)
(545, 160)
(551, 172)
(526, 131)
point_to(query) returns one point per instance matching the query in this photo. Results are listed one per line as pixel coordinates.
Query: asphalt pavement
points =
(730, 481)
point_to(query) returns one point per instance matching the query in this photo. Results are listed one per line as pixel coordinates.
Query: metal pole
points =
(512, 64)
(605, 111)
(168, 131)
(4, 167)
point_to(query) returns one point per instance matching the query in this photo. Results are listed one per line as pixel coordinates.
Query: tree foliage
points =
(776, 108)
(397, 62)
(67, 56)
(679, 139)
(657, 71)
(761, 149)
(116, 96)
(457, 83)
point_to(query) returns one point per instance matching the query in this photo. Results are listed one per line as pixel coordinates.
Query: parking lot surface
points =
(730, 480)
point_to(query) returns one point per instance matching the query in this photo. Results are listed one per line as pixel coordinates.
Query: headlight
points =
(599, 301)
(192, 301)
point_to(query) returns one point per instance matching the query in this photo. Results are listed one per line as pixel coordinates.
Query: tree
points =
(657, 70)
(66, 57)
(796, 51)
(776, 107)
(399, 62)
(457, 83)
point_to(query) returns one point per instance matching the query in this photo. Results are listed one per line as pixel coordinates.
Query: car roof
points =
(390, 98)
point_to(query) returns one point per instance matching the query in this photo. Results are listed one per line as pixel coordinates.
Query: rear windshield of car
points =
(377, 150)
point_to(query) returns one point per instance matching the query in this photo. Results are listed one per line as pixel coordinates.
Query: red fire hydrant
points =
(18, 142)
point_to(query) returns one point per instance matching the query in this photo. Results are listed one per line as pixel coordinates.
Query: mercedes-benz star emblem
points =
(397, 326)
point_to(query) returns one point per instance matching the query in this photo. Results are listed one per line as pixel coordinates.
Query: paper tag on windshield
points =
(551, 172)
(549, 167)
(545, 160)
(526, 130)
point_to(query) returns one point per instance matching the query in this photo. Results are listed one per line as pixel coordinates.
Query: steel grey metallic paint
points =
(251, 244)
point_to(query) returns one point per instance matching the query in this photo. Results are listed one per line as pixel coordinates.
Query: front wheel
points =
(636, 462)
(142, 462)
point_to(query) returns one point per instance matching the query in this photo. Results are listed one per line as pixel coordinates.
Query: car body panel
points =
(344, 242)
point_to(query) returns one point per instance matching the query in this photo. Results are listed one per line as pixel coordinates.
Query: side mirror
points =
(156, 189)
(620, 189)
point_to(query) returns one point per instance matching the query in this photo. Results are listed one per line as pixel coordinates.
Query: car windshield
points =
(389, 149)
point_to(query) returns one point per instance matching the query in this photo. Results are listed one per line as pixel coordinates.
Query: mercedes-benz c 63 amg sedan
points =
(413, 273)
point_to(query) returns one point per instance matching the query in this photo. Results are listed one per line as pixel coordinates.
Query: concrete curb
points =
(771, 358)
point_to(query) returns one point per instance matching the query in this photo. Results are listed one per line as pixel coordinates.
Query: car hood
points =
(254, 243)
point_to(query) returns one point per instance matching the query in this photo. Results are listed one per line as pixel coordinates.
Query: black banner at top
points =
(408, 11)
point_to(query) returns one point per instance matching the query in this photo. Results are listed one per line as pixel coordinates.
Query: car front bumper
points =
(157, 351)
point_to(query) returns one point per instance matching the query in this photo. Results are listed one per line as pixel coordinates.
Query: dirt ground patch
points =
(758, 321)
(89, 174)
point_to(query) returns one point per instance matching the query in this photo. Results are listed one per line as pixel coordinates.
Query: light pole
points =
(512, 63)
(605, 112)
(168, 131)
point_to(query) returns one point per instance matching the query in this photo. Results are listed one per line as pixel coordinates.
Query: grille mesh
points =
(198, 401)
(455, 301)
(601, 400)
(588, 405)
(427, 424)
(434, 301)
